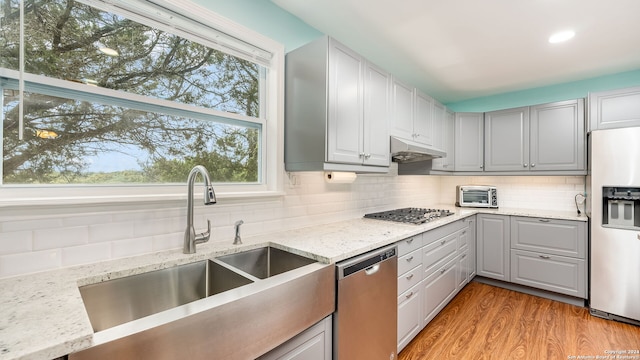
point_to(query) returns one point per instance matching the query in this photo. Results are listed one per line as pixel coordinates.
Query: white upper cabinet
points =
(444, 137)
(346, 99)
(557, 136)
(337, 110)
(547, 137)
(469, 142)
(377, 109)
(411, 113)
(423, 121)
(402, 110)
(506, 140)
(614, 109)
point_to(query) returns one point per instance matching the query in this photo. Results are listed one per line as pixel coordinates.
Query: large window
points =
(130, 93)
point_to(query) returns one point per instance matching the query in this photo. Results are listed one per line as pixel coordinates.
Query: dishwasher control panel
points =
(365, 261)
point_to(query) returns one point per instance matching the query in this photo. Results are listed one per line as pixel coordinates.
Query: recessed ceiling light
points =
(561, 36)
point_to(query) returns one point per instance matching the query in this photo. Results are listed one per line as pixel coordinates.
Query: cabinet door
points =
(557, 140)
(402, 108)
(377, 85)
(463, 269)
(345, 105)
(409, 315)
(506, 140)
(423, 121)
(472, 246)
(314, 343)
(444, 138)
(493, 246)
(614, 109)
(469, 142)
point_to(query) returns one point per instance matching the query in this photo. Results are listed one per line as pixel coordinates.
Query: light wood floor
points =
(487, 322)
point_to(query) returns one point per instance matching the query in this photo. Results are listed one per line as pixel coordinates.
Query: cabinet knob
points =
(481, 166)
(533, 165)
(443, 242)
(366, 156)
(525, 165)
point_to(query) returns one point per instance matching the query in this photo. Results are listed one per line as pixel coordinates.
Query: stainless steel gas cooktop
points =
(410, 215)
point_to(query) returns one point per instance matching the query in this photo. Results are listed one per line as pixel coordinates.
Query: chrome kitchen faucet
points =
(190, 236)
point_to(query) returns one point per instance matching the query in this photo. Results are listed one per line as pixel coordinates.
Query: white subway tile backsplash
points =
(111, 231)
(29, 262)
(60, 238)
(16, 242)
(51, 241)
(86, 254)
(131, 247)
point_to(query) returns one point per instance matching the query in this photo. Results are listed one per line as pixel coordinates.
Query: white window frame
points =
(272, 121)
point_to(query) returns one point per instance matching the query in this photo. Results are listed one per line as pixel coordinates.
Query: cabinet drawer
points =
(409, 261)
(549, 272)
(409, 279)
(439, 289)
(408, 245)
(437, 234)
(550, 236)
(436, 251)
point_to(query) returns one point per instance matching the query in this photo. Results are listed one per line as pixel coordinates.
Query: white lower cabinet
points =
(432, 268)
(439, 289)
(409, 310)
(312, 344)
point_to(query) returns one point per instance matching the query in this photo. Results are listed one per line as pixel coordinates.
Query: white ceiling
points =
(461, 49)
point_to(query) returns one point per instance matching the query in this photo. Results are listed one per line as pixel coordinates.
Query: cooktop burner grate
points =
(410, 215)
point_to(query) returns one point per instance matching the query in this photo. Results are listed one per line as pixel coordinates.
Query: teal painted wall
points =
(266, 18)
(541, 95)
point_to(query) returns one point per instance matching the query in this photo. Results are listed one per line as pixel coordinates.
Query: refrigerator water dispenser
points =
(621, 207)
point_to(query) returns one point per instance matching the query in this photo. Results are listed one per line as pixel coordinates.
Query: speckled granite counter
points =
(42, 315)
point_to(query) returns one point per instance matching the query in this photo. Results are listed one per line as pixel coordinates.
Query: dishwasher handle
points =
(372, 270)
(369, 262)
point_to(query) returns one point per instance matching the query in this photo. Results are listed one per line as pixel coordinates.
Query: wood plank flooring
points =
(487, 322)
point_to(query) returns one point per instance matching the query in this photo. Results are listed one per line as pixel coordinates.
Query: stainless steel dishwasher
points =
(366, 321)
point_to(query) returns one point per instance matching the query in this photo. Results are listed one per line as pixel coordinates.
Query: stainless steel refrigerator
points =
(614, 192)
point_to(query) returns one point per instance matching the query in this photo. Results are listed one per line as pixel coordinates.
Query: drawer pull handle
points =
(409, 295)
(410, 277)
(464, 232)
(464, 256)
(443, 242)
(545, 257)
(443, 270)
(409, 241)
(409, 258)
(544, 220)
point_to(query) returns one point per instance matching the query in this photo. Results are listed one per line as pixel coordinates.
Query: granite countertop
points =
(42, 315)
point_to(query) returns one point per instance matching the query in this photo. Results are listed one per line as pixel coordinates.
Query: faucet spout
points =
(190, 236)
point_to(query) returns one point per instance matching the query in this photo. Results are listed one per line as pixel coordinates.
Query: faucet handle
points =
(237, 240)
(204, 237)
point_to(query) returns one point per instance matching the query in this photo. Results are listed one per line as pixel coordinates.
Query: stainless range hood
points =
(404, 151)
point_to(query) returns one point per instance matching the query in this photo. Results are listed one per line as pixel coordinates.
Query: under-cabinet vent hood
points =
(403, 151)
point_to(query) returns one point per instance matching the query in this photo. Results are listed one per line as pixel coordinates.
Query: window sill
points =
(29, 207)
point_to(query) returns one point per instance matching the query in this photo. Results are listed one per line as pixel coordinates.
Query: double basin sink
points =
(202, 300)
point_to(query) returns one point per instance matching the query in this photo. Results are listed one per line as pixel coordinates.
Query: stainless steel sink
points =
(118, 301)
(266, 261)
